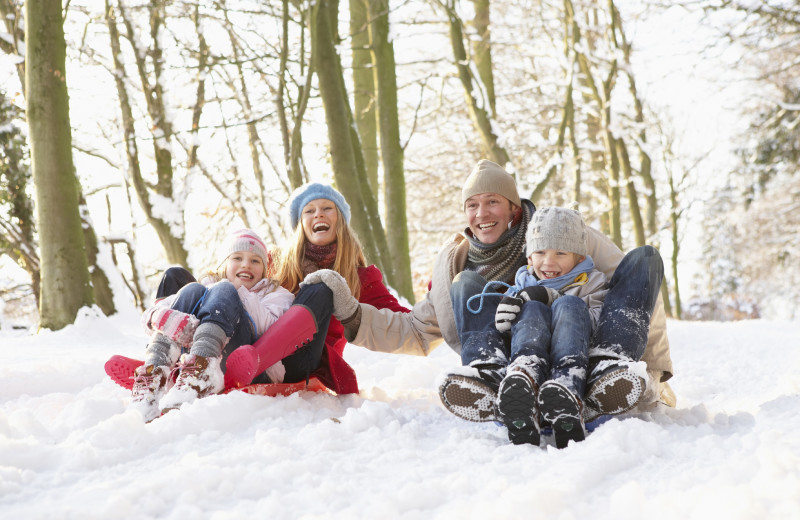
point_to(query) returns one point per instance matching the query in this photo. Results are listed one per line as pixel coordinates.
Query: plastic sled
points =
(276, 389)
(120, 369)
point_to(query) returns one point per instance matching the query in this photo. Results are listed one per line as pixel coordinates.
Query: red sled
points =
(120, 369)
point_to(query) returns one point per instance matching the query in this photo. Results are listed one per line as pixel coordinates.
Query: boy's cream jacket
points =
(431, 320)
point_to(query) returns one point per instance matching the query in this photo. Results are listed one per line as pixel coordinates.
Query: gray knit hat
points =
(562, 229)
(488, 177)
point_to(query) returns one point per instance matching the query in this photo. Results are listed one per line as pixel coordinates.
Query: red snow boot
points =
(295, 328)
(121, 370)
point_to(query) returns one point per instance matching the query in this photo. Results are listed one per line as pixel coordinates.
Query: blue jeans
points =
(219, 304)
(554, 341)
(481, 343)
(624, 322)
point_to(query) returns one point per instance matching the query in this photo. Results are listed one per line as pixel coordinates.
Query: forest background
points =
(670, 123)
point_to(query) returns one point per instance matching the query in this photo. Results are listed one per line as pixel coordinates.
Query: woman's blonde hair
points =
(349, 257)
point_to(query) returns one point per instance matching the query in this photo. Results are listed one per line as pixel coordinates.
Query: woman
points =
(309, 339)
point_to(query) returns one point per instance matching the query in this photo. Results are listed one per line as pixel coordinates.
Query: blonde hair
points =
(349, 257)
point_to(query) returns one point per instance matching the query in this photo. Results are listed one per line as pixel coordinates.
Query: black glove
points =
(507, 311)
(539, 293)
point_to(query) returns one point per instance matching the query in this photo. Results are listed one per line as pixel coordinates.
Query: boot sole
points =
(616, 392)
(121, 370)
(516, 405)
(560, 408)
(469, 398)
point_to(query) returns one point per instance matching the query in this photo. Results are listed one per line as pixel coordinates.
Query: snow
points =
(69, 449)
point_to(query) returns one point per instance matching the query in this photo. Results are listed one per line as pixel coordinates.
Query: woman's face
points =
(319, 218)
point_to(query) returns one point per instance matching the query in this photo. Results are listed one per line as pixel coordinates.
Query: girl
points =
(309, 338)
(229, 307)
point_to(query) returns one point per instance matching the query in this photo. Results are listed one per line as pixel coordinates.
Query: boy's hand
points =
(507, 311)
(539, 293)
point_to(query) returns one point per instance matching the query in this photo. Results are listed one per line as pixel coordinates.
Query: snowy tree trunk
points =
(474, 92)
(392, 152)
(162, 133)
(346, 156)
(66, 286)
(364, 89)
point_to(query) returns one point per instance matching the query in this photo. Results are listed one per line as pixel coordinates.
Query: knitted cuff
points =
(176, 325)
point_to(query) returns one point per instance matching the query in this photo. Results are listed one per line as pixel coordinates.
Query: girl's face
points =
(244, 269)
(319, 218)
(551, 263)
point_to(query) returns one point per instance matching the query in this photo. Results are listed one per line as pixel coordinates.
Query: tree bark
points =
(172, 244)
(392, 153)
(674, 217)
(346, 157)
(364, 87)
(633, 196)
(66, 286)
(482, 50)
(475, 93)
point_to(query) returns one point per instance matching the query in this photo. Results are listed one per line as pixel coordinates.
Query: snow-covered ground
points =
(69, 449)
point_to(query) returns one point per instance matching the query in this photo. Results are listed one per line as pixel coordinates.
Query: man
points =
(631, 327)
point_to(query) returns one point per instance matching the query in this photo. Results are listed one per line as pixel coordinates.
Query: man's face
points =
(488, 216)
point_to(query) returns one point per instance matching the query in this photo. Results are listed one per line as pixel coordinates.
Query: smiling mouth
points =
(321, 227)
(487, 226)
(549, 274)
(245, 276)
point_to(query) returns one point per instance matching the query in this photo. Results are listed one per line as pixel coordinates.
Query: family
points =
(555, 326)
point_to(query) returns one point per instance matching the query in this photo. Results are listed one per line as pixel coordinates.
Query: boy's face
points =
(551, 263)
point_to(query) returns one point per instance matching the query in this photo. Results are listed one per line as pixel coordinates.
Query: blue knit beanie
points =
(308, 192)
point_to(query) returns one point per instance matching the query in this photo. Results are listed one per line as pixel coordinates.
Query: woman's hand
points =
(344, 304)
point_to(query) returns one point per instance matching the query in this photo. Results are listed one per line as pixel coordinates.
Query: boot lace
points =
(142, 385)
(185, 369)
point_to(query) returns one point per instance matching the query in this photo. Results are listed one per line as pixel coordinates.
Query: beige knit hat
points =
(556, 228)
(488, 177)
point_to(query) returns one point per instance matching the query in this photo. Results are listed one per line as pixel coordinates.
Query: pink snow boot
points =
(295, 328)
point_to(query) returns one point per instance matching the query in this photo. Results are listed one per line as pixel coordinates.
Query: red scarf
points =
(322, 256)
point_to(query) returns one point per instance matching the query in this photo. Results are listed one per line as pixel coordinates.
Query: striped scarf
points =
(500, 261)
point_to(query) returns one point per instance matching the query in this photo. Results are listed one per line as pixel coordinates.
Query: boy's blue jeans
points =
(621, 331)
(554, 340)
